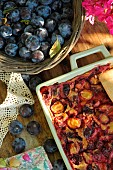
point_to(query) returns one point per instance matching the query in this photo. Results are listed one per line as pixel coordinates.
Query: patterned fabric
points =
(34, 159)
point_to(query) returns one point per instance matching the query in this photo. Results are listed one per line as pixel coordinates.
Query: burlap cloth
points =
(17, 94)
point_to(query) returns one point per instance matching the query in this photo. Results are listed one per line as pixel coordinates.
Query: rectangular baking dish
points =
(76, 71)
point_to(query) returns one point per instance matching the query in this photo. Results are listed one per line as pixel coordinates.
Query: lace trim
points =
(17, 94)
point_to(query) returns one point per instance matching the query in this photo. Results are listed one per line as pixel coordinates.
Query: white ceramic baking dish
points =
(76, 71)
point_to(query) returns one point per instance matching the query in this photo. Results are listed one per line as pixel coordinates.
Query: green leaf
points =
(55, 48)
(3, 163)
(8, 10)
(25, 21)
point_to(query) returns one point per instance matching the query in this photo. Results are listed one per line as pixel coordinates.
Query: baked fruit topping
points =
(104, 118)
(82, 114)
(73, 123)
(86, 94)
(57, 107)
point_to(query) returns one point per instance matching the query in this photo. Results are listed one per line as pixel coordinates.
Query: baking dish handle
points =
(74, 57)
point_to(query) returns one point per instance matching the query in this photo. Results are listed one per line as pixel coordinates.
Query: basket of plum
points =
(36, 35)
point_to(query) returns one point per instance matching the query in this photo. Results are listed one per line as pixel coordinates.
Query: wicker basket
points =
(16, 65)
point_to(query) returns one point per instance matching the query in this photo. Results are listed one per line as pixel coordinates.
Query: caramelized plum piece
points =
(57, 107)
(66, 89)
(102, 166)
(106, 150)
(86, 94)
(73, 123)
(64, 117)
(110, 128)
(87, 157)
(71, 111)
(87, 109)
(89, 167)
(91, 145)
(76, 158)
(105, 108)
(99, 157)
(73, 96)
(74, 148)
(110, 113)
(103, 127)
(88, 132)
(96, 88)
(94, 80)
(100, 143)
(92, 167)
(82, 85)
(104, 118)
(111, 158)
(82, 166)
(44, 90)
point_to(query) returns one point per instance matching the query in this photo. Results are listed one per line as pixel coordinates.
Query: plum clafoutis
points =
(50, 146)
(81, 113)
(33, 128)
(19, 145)
(26, 110)
(15, 127)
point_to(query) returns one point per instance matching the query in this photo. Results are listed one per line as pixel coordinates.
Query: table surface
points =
(91, 36)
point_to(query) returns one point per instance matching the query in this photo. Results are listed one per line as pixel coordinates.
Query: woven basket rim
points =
(19, 66)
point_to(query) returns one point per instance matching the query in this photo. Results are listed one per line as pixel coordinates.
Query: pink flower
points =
(102, 9)
(26, 157)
